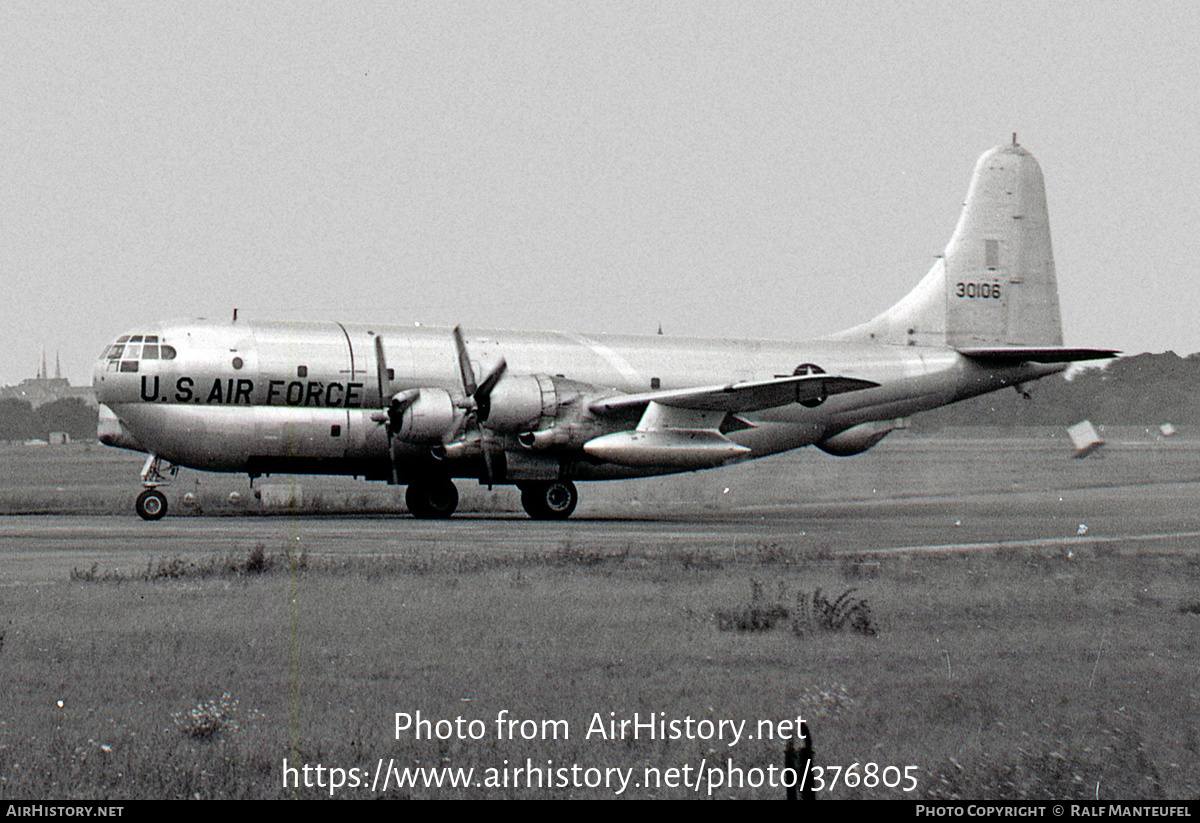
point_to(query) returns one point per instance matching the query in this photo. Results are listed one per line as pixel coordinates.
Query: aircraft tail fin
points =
(994, 286)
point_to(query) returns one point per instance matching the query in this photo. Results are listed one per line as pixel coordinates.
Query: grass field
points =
(1051, 673)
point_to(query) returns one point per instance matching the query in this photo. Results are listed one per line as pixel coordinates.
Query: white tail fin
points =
(995, 283)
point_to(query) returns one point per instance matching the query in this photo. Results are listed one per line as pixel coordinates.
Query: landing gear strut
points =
(151, 504)
(431, 500)
(549, 500)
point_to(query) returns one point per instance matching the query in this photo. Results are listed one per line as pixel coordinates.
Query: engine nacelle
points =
(428, 418)
(857, 439)
(520, 402)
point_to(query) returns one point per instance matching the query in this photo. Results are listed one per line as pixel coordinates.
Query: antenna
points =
(235, 314)
(1015, 143)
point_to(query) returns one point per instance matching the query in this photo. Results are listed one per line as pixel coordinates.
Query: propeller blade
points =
(464, 363)
(488, 470)
(381, 372)
(387, 417)
(483, 396)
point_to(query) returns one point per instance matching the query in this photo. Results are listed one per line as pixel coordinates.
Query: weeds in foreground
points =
(255, 562)
(822, 702)
(813, 612)
(206, 720)
(1090, 768)
(816, 612)
(261, 561)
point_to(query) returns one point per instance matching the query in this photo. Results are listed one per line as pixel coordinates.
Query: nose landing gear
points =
(151, 504)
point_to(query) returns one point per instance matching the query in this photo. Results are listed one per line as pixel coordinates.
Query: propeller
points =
(478, 396)
(392, 412)
(476, 402)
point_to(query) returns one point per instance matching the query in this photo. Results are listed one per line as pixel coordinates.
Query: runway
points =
(1157, 517)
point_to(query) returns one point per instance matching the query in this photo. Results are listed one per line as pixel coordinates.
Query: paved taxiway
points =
(1160, 517)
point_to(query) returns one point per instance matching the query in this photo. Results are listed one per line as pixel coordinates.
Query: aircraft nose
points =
(98, 382)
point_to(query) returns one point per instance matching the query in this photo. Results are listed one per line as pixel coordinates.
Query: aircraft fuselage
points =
(298, 397)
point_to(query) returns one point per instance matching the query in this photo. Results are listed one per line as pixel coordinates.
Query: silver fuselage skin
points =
(283, 397)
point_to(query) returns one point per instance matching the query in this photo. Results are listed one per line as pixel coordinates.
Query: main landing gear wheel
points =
(431, 501)
(552, 500)
(151, 504)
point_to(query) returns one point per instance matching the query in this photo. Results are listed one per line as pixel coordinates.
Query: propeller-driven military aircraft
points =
(540, 410)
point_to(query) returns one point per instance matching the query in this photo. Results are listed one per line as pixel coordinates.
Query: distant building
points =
(43, 389)
(37, 392)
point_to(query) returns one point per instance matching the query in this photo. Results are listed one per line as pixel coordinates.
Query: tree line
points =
(1143, 390)
(21, 421)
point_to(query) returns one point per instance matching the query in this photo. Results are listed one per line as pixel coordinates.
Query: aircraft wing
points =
(1034, 354)
(738, 397)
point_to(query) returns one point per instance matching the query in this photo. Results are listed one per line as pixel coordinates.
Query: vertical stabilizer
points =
(995, 284)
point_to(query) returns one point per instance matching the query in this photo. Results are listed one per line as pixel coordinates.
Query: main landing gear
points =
(549, 499)
(431, 499)
(151, 504)
(543, 500)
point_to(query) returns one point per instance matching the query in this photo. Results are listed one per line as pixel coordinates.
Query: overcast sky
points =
(746, 169)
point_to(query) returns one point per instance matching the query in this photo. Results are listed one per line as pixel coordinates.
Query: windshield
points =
(129, 349)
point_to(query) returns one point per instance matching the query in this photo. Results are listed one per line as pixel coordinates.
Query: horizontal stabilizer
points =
(739, 397)
(1035, 354)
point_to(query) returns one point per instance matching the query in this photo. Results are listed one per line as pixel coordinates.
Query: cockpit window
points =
(144, 347)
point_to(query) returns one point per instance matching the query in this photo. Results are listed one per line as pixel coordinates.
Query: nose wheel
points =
(550, 500)
(151, 504)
